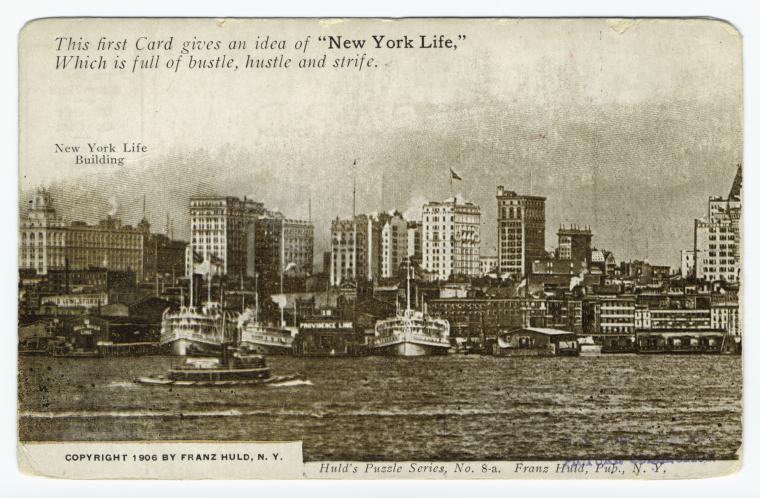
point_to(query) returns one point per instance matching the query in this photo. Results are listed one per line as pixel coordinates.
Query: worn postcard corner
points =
(359, 249)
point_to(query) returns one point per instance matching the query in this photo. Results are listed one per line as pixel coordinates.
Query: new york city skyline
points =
(125, 200)
(617, 131)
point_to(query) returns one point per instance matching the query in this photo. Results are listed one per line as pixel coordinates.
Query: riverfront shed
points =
(535, 341)
(686, 341)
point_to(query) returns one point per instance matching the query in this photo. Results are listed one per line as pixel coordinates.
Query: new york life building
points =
(48, 243)
(42, 244)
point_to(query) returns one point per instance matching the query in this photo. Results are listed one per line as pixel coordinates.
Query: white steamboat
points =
(197, 330)
(263, 338)
(411, 332)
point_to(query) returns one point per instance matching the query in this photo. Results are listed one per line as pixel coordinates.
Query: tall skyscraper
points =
(451, 238)
(574, 245)
(521, 231)
(717, 238)
(355, 249)
(414, 241)
(282, 244)
(219, 228)
(394, 244)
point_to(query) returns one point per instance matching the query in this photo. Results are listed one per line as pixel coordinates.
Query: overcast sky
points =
(626, 127)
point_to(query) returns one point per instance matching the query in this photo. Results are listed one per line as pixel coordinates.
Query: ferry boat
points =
(197, 331)
(263, 338)
(411, 332)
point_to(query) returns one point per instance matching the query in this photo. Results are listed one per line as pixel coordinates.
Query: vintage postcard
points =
(380, 248)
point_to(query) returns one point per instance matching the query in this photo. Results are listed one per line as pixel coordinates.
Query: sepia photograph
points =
(413, 248)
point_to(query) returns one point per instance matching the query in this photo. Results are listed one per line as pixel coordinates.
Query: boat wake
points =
(123, 385)
(320, 413)
(291, 383)
(131, 414)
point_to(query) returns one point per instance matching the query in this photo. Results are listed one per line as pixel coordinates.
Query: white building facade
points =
(394, 245)
(451, 238)
(219, 229)
(42, 237)
(355, 249)
(717, 238)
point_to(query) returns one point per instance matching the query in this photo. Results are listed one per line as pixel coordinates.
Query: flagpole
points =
(282, 271)
(452, 176)
(256, 295)
(242, 292)
(354, 263)
(192, 269)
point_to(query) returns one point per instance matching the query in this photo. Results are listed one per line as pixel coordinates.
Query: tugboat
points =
(234, 367)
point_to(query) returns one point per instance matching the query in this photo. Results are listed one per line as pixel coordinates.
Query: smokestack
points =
(114, 206)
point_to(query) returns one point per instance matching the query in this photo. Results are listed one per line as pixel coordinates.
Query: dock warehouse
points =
(535, 341)
(686, 341)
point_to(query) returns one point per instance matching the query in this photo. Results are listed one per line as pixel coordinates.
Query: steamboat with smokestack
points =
(197, 330)
(411, 332)
(266, 338)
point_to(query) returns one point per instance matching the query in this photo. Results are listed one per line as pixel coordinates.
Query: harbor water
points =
(430, 408)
